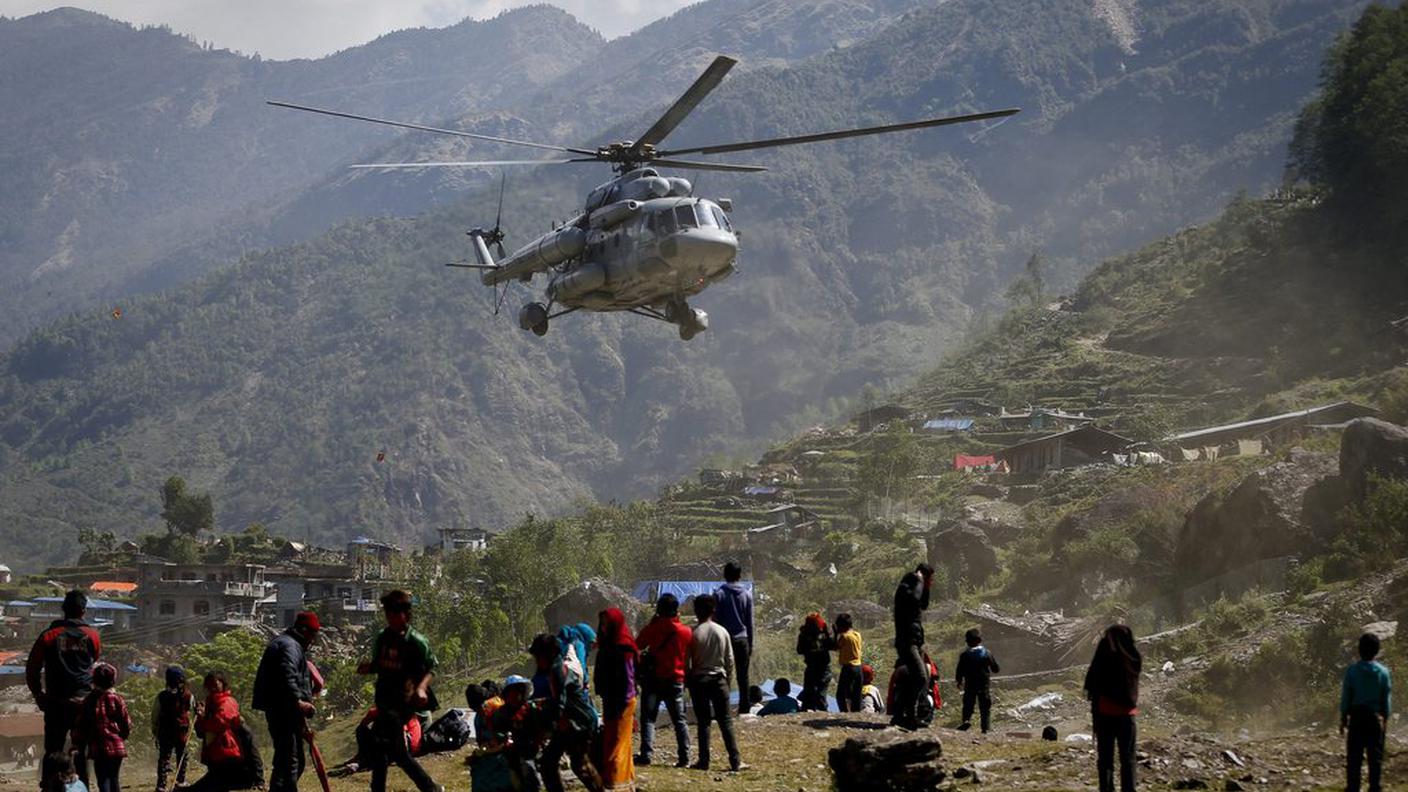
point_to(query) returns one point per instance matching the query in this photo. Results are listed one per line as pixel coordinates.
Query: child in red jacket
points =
(103, 728)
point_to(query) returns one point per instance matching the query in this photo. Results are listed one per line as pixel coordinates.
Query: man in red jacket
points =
(60, 674)
(664, 644)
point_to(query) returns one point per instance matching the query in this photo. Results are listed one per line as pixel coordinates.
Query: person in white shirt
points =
(710, 661)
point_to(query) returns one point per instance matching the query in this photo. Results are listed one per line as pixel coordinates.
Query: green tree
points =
(236, 652)
(1353, 139)
(185, 513)
(1029, 289)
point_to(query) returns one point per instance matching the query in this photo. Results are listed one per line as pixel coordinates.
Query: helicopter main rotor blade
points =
(424, 128)
(708, 166)
(685, 105)
(469, 164)
(845, 133)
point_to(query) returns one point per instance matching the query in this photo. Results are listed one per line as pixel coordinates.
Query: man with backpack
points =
(664, 646)
(60, 675)
(283, 691)
(171, 727)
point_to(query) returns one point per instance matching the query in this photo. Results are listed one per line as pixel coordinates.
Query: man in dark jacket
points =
(60, 675)
(974, 675)
(735, 614)
(911, 600)
(283, 691)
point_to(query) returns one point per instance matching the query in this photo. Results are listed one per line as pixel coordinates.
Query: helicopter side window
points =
(665, 222)
(684, 215)
(706, 219)
(721, 218)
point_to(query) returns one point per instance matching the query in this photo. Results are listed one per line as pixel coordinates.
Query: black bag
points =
(451, 732)
(250, 760)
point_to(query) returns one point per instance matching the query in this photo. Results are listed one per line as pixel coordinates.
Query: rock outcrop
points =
(1370, 446)
(962, 547)
(1265, 516)
(888, 762)
(585, 602)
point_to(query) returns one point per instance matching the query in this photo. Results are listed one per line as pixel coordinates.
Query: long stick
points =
(317, 759)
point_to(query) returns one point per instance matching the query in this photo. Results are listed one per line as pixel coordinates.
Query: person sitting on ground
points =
(871, 700)
(519, 728)
(1366, 704)
(59, 775)
(755, 699)
(782, 703)
(849, 648)
(483, 702)
(974, 675)
(814, 644)
(104, 726)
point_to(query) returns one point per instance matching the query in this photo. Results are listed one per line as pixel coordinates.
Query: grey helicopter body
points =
(643, 242)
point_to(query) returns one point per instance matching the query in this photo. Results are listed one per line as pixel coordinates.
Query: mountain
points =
(122, 145)
(275, 383)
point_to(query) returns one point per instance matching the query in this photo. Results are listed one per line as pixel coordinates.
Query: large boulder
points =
(1265, 516)
(888, 761)
(585, 601)
(1372, 446)
(962, 547)
(866, 614)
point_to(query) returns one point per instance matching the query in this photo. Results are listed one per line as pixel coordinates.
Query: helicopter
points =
(643, 242)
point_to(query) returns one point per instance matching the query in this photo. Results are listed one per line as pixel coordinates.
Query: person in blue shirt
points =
(1366, 703)
(784, 704)
(735, 614)
(974, 672)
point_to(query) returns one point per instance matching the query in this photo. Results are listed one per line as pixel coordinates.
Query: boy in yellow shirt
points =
(849, 648)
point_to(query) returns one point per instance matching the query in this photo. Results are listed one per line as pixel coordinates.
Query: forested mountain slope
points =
(275, 383)
(120, 145)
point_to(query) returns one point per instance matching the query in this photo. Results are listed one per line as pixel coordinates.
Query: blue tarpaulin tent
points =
(648, 591)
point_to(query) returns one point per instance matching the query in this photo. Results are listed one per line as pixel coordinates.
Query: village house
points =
(102, 613)
(189, 603)
(334, 590)
(948, 425)
(1035, 419)
(718, 478)
(371, 558)
(1071, 448)
(1253, 437)
(475, 539)
(876, 417)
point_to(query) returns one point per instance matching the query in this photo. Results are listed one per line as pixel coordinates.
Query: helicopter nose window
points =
(684, 215)
(665, 223)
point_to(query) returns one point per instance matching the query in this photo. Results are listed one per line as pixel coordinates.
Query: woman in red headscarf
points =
(616, 684)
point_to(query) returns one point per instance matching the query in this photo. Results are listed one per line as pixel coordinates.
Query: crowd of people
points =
(525, 727)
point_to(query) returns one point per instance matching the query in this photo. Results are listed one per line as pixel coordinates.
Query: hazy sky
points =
(310, 28)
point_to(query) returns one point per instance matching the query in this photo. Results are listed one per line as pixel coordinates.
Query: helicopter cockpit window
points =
(706, 218)
(684, 215)
(664, 222)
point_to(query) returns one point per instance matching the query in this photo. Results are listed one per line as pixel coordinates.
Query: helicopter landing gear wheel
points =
(534, 316)
(692, 323)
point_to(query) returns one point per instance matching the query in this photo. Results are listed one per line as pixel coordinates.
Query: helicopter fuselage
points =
(642, 243)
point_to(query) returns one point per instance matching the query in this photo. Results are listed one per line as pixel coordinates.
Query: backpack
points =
(452, 731)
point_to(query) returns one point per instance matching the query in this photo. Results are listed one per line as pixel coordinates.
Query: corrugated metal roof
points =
(1257, 422)
(93, 604)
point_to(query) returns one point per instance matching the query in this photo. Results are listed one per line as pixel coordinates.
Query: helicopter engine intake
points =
(546, 251)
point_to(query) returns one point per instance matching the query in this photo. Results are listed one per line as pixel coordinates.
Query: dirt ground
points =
(788, 754)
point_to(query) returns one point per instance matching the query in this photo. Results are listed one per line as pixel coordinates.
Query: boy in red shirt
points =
(103, 728)
(664, 645)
